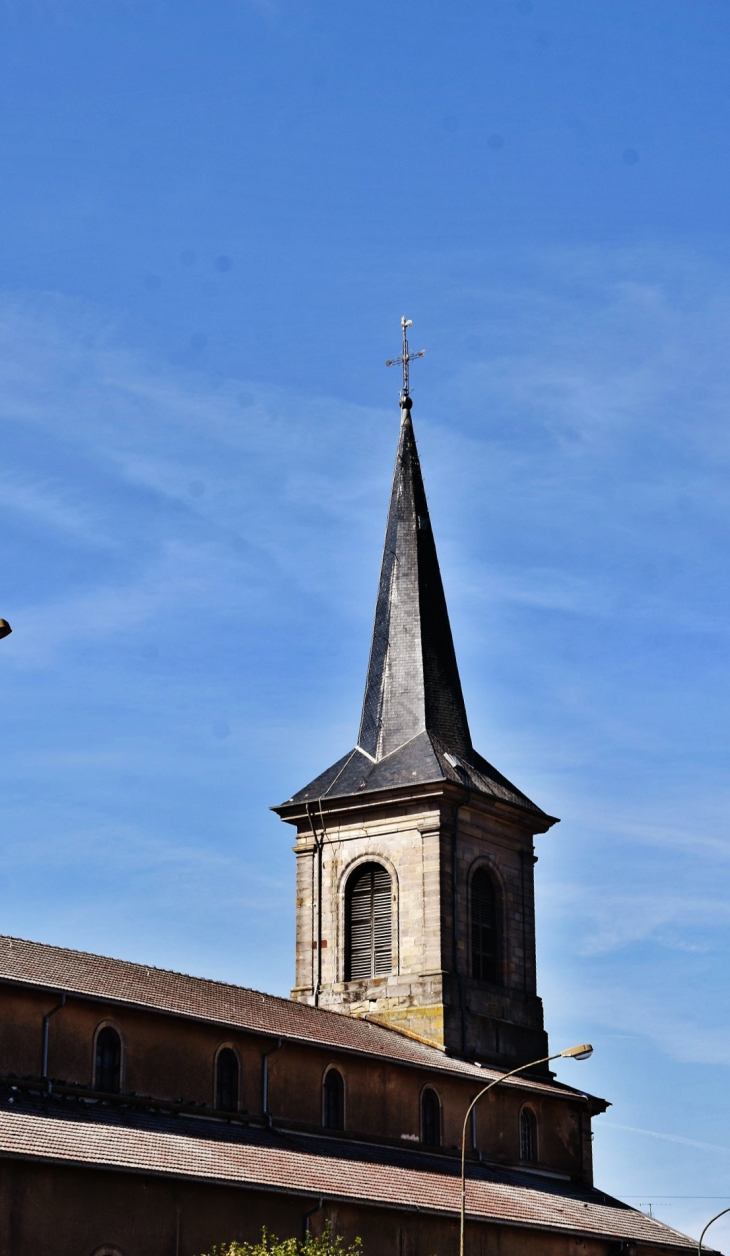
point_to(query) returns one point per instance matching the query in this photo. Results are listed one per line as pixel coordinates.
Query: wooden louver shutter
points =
(483, 927)
(369, 923)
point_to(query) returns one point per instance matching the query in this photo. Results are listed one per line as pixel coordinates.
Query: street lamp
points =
(704, 1232)
(5, 629)
(573, 1053)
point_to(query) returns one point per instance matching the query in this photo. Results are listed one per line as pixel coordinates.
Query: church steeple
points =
(413, 681)
(413, 727)
(414, 855)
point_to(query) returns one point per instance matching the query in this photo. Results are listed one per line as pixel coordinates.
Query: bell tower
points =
(415, 889)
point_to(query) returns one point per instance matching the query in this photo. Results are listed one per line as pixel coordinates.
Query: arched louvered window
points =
(108, 1062)
(430, 1119)
(484, 922)
(528, 1136)
(368, 923)
(333, 1107)
(226, 1080)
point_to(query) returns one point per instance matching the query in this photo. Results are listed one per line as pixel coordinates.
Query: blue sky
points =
(213, 217)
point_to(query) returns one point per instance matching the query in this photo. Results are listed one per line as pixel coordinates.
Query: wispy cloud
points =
(614, 919)
(668, 1138)
(182, 575)
(47, 504)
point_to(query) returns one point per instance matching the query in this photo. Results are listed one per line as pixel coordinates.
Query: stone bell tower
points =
(415, 902)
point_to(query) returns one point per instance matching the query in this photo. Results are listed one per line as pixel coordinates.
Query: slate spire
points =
(413, 729)
(413, 681)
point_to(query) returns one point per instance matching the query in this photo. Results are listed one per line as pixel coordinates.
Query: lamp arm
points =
(496, 1082)
(704, 1232)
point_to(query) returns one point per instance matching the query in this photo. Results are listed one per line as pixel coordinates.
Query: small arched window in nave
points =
(430, 1118)
(226, 1080)
(484, 918)
(528, 1136)
(108, 1061)
(333, 1100)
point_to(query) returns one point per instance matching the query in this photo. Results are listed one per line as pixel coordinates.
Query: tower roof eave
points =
(423, 761)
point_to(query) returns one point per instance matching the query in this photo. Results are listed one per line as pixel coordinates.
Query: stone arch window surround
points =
(218, 1060)
(482, 872)
(95, 1047)
(368, 857)
(528, 1135)
(334, 1096)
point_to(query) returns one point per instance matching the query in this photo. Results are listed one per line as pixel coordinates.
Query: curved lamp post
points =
(704, 1232)
(574, 1053)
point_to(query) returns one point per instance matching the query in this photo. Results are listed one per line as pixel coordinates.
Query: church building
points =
(148, 1113)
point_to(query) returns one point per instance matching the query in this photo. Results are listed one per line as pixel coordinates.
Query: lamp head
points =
(578, 1053)
(5, 629)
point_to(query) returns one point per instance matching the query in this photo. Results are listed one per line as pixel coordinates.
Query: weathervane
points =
(405, 359)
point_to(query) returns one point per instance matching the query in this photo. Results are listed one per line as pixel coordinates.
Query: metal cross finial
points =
(406, 357)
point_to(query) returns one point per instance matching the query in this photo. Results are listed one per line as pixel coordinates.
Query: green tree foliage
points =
(268, 1245)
